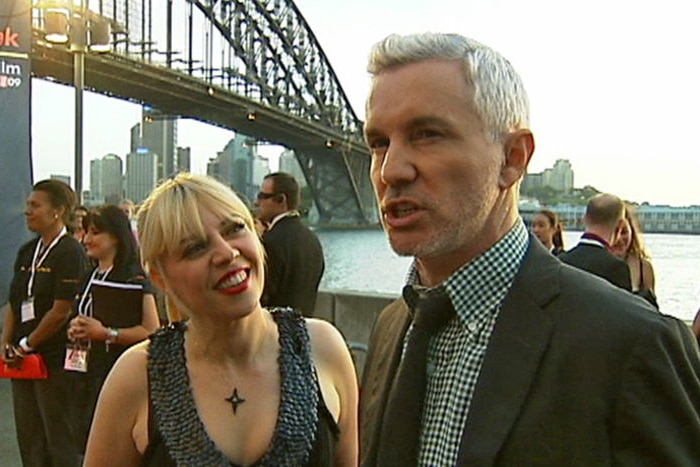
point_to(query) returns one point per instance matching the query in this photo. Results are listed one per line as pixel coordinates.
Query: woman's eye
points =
(193, 249)
(233, 228)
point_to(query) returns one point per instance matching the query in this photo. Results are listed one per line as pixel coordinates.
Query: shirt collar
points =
(592, 239)
(479, 286)
(278, 217)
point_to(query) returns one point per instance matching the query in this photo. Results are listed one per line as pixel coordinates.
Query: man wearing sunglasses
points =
(294, 254)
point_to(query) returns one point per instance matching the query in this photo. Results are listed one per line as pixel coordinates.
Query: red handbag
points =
(32, 367)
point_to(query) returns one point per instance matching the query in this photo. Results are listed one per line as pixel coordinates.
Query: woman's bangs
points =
(185, 225)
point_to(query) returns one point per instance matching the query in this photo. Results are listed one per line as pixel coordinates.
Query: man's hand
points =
(13, 356)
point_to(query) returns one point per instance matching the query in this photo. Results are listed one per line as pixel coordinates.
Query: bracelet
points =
(24, 345)
(112, 335)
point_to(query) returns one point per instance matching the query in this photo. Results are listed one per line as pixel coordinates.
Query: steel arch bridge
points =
(253, 66)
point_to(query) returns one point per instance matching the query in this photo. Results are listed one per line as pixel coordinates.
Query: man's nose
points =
(398, 165)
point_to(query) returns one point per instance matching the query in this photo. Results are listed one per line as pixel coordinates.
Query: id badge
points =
(76, 359)
(27, 310)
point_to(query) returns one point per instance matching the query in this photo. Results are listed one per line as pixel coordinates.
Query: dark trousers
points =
(42, 417)
(85, 394)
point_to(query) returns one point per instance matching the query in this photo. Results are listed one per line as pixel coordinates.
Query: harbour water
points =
(362, 260)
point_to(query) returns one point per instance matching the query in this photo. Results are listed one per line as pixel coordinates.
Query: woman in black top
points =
(47, 272)
(111, 245)
(548, 230)
(235, 384)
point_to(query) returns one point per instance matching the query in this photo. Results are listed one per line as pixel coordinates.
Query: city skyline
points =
(611, 87)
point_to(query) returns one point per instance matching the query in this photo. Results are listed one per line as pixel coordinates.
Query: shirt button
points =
(471, 326)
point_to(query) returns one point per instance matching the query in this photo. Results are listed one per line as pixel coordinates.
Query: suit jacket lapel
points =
(518, 342)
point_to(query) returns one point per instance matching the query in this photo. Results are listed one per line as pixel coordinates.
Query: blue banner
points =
(15, 132)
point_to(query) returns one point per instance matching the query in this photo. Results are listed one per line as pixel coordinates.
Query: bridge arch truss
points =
(253, 66)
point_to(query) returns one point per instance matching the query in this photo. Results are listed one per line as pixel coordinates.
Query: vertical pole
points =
(169, 34)
(78, 78)
(79, 47)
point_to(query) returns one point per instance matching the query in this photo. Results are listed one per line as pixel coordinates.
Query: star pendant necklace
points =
(235, 400)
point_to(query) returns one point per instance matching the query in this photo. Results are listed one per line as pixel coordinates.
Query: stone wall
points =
(353, 313)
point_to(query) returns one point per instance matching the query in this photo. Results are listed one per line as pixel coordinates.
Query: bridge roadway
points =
(176, 93)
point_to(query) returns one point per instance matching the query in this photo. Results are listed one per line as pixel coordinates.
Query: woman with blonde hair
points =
(630, 248)
(234, 383)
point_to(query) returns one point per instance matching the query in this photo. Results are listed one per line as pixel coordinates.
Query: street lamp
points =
(85, 32)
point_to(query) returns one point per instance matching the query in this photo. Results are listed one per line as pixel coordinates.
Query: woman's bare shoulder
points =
(325, 338)
(329, 350)
(129, 372)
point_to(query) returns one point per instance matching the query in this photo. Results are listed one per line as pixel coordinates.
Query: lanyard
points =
(35, 264)
(85, 303)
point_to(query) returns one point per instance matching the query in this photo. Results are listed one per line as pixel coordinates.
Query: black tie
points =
(400, 436)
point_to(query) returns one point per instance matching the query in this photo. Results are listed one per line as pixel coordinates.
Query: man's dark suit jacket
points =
(599, 261)
(577, 373)
(294, 265)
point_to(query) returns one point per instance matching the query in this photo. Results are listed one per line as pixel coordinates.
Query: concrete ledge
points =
(354, 314)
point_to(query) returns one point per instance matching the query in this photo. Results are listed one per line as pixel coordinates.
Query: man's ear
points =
(518, 149)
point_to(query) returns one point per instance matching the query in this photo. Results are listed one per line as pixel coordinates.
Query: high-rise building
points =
(141, 174)
(213, 168)
(106, 180)
(96, 180)
(562, 176)
(532, 180)
(63, 178)
(112, 180)
(159, 135)
(559, 177)
(261, 167)
(135, 138)
(183, 159)
(234, 166)
(290, 164)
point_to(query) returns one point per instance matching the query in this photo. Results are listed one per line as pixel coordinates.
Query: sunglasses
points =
(262, 195)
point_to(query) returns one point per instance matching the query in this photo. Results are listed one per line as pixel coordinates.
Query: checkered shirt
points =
(456, 353)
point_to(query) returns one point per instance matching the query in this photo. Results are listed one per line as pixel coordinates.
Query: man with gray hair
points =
(605, 215)
(498, 353)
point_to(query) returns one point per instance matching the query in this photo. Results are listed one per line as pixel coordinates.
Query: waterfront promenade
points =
(9, 454)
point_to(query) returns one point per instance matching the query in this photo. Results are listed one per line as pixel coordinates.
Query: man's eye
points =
(378, 143)
(426, 134)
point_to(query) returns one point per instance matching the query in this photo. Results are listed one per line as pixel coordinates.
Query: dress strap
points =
(297, 423)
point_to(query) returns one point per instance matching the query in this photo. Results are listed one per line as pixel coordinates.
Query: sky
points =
(614, 86)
